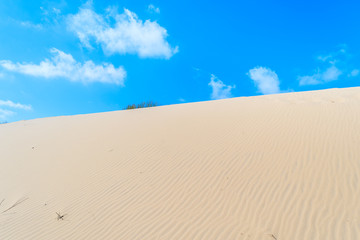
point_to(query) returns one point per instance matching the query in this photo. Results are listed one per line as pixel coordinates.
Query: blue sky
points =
(74, 57)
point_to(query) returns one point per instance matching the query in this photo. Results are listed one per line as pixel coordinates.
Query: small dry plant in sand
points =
(60, 216)
(141, 105)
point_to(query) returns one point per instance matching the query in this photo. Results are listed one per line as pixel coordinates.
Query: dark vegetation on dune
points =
(141, 105)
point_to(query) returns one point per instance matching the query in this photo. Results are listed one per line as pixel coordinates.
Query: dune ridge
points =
(279, 167)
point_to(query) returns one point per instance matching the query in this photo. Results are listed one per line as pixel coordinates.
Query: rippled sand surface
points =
(269, 167)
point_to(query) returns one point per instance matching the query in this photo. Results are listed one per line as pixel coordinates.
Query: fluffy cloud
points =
(265, 79)
(120, 33)
(219, 89)
(63, 65)
(6, 104)
(331, 67)
(332, 73)
(153, 9)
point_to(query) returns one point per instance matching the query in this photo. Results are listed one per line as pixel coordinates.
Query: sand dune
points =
(269, 167)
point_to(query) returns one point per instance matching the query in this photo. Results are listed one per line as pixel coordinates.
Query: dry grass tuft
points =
(141, 105)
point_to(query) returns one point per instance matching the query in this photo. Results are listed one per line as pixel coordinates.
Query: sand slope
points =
(270, 167)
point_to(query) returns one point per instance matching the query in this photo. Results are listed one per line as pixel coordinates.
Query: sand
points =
(279, 167)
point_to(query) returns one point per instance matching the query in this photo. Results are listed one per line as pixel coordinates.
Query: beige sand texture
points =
(279, 167)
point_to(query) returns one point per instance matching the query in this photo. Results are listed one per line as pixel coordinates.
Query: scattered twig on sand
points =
(2, 201)
(15, 204)
(60, 216)
(273, 236)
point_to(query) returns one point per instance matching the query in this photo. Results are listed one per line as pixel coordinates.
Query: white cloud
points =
(56, 11)
(62, 65)
(6, 104)
(332, 66)
(5, 113)
(265, 79)
(153, 9)
(332, 73)
(309, 80)
(354, 73)
(46, 11)
(28, 24)
(51, 12)
(120, 33)
(325, 58)
(219, 89)
(11, 104)
(332, 57)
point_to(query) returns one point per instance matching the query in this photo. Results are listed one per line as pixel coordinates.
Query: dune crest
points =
(279, 167)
